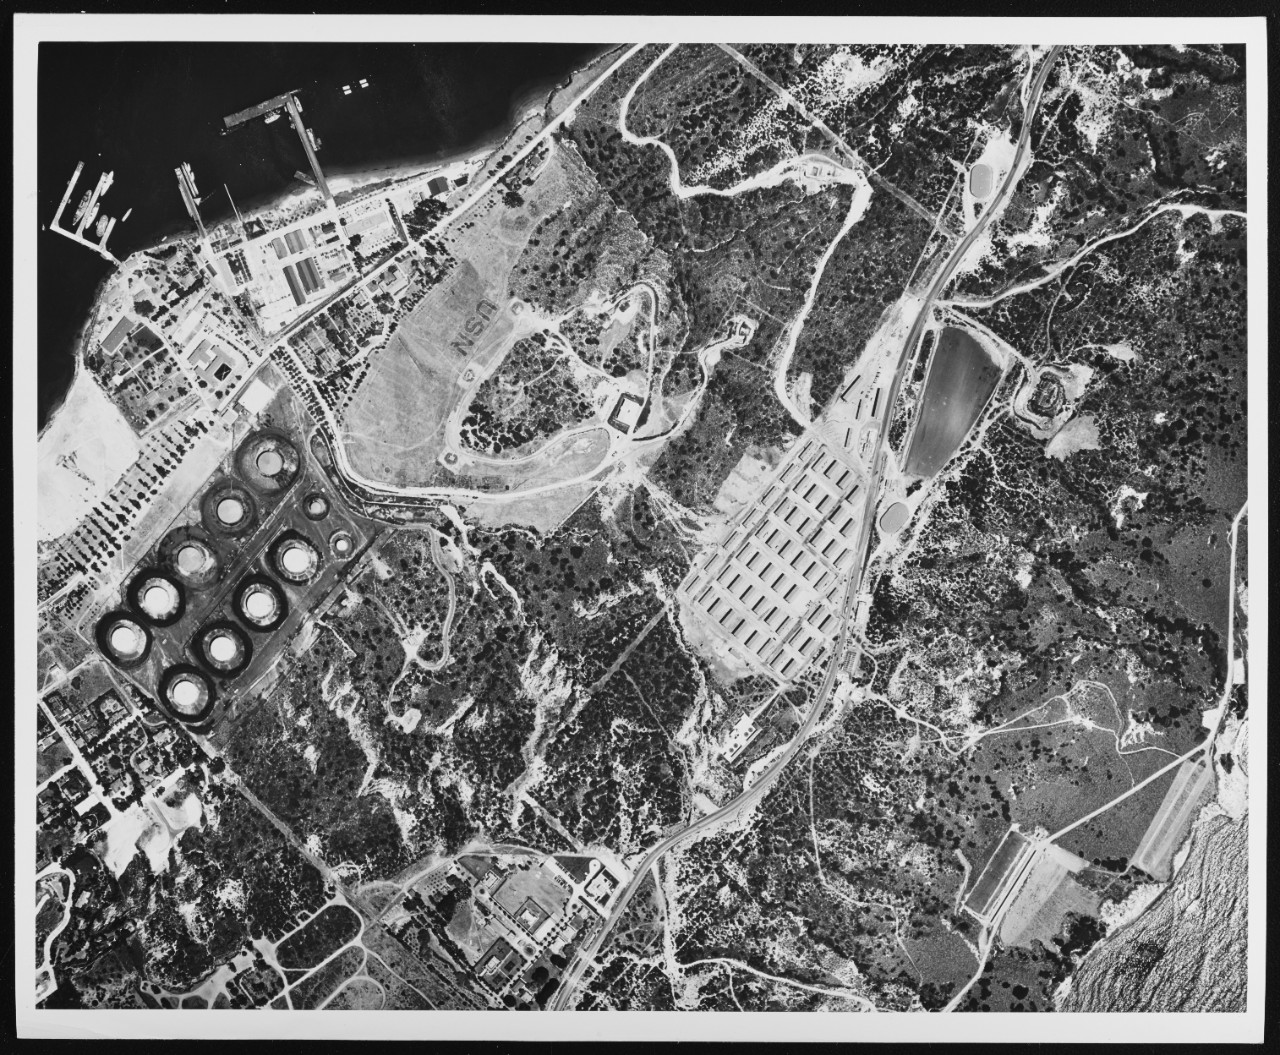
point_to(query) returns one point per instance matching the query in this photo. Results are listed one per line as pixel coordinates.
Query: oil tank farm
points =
(295, 558)
(260, 603)
(187, 693)
(268, 462)
(231, 579)
(229, 510)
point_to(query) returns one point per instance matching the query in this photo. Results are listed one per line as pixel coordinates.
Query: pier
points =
(187, 185)
(288, 102)
(261, 110)
(296, 116)
(90, 210)
(66, 195)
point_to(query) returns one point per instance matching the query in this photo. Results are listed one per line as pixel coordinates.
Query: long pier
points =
(66, 195)
(295, 115)
(288, 102)
(187, 185)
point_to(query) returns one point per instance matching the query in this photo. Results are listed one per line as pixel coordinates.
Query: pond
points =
(960, 381)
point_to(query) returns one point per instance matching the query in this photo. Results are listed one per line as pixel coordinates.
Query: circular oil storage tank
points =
(315, 506)
(260, 603)
(224, 647)
(295, 559)
(190, 556)
(123, 639)
(187, 692)
(268, 462)
(893, 518)
(228, 509)
(156, 597)
(342, 544)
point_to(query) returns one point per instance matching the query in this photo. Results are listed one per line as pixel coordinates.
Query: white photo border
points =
(30, 30)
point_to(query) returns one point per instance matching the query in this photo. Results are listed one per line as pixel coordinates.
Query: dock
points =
(296, 116)
(187, 185)
(261, 110)
(289, 103)
(91, 209)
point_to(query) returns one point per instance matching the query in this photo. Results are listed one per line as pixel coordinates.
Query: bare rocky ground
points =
(1185, 953)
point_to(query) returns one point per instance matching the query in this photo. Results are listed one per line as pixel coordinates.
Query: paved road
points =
(748, 797)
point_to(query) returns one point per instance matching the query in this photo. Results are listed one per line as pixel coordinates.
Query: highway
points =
(573, 977)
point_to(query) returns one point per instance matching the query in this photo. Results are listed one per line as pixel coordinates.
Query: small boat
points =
(273, 116)
(101, 227)
(126, 214)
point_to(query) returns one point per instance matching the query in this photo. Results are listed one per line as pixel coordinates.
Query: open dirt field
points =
(394, 427)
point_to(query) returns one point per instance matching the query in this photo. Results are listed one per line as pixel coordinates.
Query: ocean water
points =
(141, 109)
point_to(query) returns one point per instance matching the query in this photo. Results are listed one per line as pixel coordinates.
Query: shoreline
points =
(76, 350)
(539, 99)
(346, 180)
